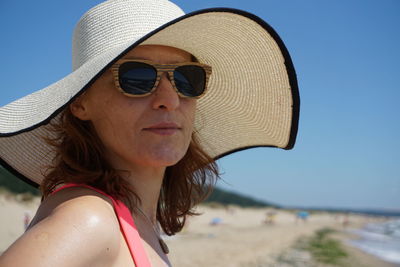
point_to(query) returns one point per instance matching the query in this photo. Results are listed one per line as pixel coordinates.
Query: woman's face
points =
(154, 130)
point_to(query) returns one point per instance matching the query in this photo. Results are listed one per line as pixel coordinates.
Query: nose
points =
(165, 96)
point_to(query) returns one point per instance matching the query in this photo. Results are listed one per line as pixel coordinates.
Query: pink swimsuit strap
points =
(127, 226)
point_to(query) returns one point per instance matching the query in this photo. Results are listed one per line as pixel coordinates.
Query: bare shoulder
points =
(74, 227)
(78, 203)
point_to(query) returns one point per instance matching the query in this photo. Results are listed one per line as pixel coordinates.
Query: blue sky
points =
(346, 54)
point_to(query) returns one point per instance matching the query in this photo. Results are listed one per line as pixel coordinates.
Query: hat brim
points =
(252, 100)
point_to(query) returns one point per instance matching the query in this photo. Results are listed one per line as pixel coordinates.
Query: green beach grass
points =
(324, 248)
(320, 249)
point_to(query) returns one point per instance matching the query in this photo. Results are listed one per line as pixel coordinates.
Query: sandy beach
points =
(243, 239)
(222, 236)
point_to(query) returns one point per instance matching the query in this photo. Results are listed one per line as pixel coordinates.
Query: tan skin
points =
(77, 226)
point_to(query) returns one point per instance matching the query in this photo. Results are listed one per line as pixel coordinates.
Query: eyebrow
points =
(140, 58)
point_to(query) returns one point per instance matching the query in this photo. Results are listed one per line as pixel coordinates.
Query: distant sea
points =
(380, 239)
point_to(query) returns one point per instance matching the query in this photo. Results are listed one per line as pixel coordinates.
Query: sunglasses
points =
(138, 78)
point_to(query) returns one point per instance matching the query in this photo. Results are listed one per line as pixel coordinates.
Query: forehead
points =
(158, 53)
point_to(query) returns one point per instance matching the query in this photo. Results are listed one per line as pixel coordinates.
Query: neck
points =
(146, 183)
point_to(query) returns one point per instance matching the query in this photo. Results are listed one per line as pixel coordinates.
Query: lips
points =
(164, 128)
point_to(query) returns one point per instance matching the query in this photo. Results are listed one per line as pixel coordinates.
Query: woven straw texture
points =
(249, 101)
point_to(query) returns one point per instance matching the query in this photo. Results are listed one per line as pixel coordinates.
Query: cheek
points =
(115, 126)
(190, 115)
(189, 110)
(107, 130)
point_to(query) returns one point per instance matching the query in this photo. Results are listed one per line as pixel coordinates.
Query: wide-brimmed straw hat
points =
(252, 98)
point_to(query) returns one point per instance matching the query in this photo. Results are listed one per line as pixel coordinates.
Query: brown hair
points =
(79, 159)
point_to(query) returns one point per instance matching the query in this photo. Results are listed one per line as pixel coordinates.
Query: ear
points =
(79, 109)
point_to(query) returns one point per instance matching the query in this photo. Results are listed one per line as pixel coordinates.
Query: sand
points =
(12, 213)
(240, 238)
(243, 239)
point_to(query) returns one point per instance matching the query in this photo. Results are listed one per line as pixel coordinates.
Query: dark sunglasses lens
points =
(190, 80)
(137, 78)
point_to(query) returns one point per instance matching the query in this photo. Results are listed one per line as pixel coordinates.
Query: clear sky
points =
(346, 54)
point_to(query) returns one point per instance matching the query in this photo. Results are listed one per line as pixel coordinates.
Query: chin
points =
(167, 159)
(166, 162)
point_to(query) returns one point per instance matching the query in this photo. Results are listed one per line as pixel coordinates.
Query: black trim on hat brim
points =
(17, 174)
(288, 63)
(241, 149)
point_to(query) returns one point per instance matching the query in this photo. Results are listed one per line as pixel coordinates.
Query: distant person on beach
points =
(124, 147)
(345, 220)
(27, 219)
(270, 217)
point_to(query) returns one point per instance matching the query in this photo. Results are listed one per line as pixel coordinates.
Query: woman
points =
(125, 144)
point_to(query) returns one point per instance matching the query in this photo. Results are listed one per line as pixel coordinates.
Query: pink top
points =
(127, 226)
